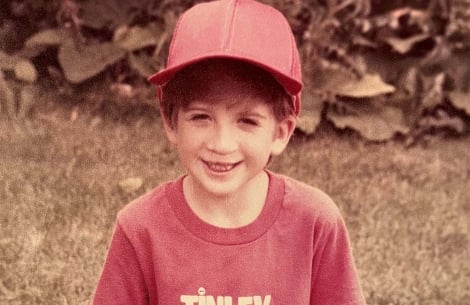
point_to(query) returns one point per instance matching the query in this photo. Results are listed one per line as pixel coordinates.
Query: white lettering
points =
(210, 300)
(189, 299)
(227, 301)
(203, 299)
(258, 300)
(245, 300)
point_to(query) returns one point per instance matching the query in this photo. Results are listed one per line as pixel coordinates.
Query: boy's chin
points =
(219, 189)
(225, 187)
(202, 184)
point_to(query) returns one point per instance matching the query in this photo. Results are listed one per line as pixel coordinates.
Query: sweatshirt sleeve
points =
(122, 281)
(334, 277)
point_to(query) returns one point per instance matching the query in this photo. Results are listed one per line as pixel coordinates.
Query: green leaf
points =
(408, 81)
(461, 100)
(84, 62)
(369, 85)
(25, 70)
(137, 37)
(442, 120)
(433, 87)
(403, 46)
(373, 122)
(49, 37)
(105, 13)
(143, 64)
(344, 83)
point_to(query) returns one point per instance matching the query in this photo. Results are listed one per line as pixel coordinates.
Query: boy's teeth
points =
(217, 167)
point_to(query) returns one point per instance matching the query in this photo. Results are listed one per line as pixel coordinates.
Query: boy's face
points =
(225, 140)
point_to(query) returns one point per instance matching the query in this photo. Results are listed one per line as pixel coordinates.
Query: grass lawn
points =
(407, 209)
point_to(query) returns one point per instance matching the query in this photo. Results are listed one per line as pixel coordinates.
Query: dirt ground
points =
(61, 185)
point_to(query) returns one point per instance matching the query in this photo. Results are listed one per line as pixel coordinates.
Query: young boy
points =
(230, 232)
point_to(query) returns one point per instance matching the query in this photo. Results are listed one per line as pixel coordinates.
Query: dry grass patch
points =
(407, 209)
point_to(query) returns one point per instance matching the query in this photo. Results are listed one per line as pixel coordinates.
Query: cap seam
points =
(228, 24)
(232, 28)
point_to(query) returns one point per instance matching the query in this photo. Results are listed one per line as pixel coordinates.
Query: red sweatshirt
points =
(296, 252)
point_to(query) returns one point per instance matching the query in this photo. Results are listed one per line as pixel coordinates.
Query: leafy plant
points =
(380, 68)
(385, 68)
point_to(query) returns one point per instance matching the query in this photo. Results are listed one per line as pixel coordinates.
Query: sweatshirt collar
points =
(227, 236)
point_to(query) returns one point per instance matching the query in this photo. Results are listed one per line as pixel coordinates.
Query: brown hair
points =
(201, 79)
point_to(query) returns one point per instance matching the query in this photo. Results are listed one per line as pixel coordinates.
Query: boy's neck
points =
(233, 211)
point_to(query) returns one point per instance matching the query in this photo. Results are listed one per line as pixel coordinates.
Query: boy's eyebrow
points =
(253, 114)
(194, 107)
(205, 107)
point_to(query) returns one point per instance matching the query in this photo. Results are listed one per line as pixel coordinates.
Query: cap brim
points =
(162, 77)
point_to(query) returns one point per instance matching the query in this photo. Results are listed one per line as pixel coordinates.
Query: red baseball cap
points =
(245, 30)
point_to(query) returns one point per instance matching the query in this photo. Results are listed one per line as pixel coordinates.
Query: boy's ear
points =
(283, 132)
(170, 130)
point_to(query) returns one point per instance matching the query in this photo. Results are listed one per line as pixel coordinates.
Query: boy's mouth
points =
(220, 167)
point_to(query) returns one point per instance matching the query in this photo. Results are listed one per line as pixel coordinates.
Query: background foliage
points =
(381, 68)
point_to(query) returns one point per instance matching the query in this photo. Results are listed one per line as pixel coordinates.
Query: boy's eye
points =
(249, 121)
(199, 117)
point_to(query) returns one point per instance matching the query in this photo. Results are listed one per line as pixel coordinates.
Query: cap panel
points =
(262, 36)
(296, 70)
(191, 37)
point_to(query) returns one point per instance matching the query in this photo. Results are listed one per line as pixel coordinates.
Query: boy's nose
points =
(222, 141)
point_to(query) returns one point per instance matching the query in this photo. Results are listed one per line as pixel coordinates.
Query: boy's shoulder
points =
(309, 201)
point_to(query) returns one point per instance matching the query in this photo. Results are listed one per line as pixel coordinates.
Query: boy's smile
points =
(224, 148)
(218, 167)
(225, 143)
